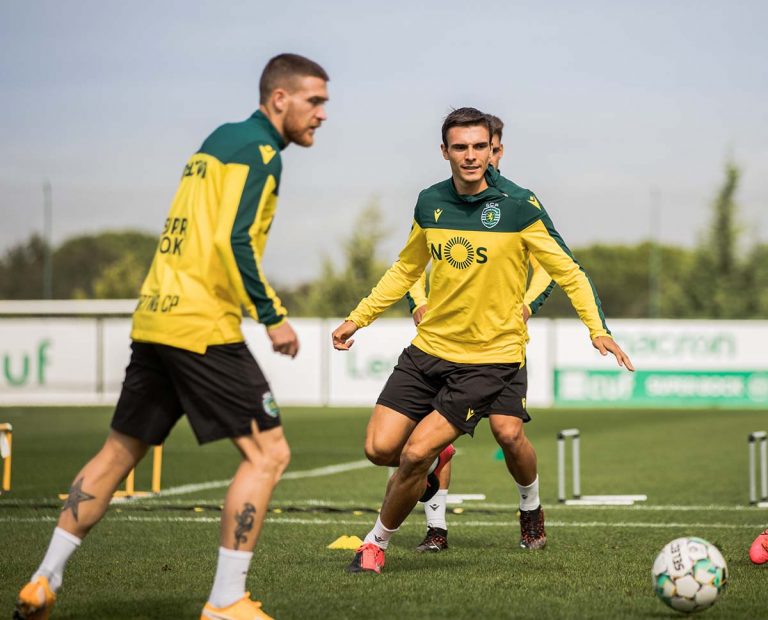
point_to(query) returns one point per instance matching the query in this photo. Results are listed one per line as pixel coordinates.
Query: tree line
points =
(719, 278)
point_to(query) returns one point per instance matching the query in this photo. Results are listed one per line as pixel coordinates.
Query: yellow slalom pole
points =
(157, 468)
(7, 430)
(129, 482)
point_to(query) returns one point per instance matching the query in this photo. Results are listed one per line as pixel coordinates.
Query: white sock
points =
(529, 496)
(231, 571)
(62, 546)
(434, 509)
(380, 535)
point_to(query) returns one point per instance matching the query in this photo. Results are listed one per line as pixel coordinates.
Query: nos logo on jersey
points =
(459, 253)
(491, 214)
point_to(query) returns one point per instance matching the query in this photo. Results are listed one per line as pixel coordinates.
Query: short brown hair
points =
(282, 69)
(465, 117)
(497, 126)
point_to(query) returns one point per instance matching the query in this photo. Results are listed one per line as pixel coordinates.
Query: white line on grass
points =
(362, 522)
(351, 504)
(328, 470)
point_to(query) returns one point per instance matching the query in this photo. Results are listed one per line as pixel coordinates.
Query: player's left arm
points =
(248, 186)
(548, 247)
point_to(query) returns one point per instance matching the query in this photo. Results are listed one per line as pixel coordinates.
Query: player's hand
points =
(606, 344)
(341, 336)
(418, 314)
(284, 339)
(526, 313)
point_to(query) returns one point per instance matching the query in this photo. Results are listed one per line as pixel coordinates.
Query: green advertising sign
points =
(661, 388)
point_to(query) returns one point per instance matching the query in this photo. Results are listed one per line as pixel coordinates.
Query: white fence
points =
(76, 353)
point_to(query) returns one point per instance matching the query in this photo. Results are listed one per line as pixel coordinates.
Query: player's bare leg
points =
(387, 432)
(427, 440)
(94, 485)
(86, 503)
(520, 458)
(519, 455)
(265, 456)
(430, 436)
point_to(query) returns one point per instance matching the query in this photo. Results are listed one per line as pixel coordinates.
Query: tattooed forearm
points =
(75, 497)
(244, 524)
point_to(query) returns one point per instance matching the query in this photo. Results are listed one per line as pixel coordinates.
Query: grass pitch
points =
(155, 558)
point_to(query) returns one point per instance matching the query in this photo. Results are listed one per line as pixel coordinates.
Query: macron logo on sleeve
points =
(534, 202)
(267, 153)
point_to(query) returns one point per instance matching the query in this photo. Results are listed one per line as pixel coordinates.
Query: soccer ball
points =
(689, 574)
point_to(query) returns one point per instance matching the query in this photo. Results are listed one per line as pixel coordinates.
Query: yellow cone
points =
(346, 542)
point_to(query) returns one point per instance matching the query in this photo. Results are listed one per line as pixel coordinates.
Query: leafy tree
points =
(620, 274)
(105, 265)
(88, 266)
(338, 290)
(121, 279)
(21, 270)
(717, 279)
(755, 292)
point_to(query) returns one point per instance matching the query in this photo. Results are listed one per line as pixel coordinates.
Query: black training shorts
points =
(461, 393)
(221, 392)
(511, 401)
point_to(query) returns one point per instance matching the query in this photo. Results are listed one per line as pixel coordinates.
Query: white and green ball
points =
(689, 574)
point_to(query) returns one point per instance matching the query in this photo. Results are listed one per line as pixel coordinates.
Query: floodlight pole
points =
(654, 256)
(47, 239)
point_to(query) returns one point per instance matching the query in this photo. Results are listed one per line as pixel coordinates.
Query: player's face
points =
(469, 153)
(497, 150)
(305, 110)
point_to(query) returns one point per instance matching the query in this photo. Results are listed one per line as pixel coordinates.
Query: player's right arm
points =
(397, 280)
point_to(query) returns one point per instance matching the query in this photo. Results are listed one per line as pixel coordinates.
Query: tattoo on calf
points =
(244, 524)
(76, 497)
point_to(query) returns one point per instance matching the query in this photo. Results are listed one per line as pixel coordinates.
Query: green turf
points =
(155, 558)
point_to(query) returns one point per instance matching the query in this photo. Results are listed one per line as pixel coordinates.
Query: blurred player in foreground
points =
(519, 455)
(478, 229)
(188, 351)
(758, 552)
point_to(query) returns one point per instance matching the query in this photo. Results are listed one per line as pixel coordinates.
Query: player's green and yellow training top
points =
(479, 247)
(540, 286)
(207, 265)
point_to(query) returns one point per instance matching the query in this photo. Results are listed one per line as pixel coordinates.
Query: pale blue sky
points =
(603, 101)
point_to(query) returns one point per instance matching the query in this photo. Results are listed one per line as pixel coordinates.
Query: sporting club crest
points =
(491, 214)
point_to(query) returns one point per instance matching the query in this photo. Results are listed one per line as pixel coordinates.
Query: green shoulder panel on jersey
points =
(492, 210)
(257, 144)
(528, 209)
(252, 141)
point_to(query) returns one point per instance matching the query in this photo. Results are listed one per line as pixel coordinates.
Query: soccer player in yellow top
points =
(188, 352)
(507, 427)
(478, 229)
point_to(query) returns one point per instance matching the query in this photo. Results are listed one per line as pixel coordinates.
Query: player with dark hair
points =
(478, 230)
(507, 428)
(188, 351)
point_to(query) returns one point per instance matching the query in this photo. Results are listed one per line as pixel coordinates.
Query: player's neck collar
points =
(264, 121)
(489, 193)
